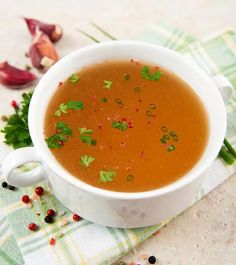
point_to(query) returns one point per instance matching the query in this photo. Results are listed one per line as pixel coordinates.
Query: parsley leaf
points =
(104, 100)
(106, 176)
(120, 125)
(85, 130)
(147, 75)
(58, 139)
(16, 131)
(75, 105)
(72, 104)
(107, 84)
(74, 78)
(86, 160)
(88, 140)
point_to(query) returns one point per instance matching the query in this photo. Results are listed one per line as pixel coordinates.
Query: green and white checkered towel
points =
(87, 243)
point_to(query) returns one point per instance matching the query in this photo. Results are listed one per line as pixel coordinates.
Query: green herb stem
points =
(103, 31)
(88, 35)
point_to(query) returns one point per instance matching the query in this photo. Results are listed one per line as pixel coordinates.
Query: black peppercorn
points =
(48, 219)
(10, 187)
(4, 184)
(152, 259)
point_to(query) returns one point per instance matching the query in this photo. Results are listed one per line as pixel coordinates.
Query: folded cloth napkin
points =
(84, 242)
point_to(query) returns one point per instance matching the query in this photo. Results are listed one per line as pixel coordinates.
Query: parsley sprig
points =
(106, 176)
(86, 160)
(16, 131)
(74, 78)
(155, 76)
(120, 125)
(72, 104)
(85, 136)
(57, 140)
(107, 84)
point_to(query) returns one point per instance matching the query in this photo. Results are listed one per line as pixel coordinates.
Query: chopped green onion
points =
(118, 101)
(164, 129)
(230, 148)
(126, 77)
(171, 148)
(226, 155)
(104, 100)
(74, 78)
(149, 113)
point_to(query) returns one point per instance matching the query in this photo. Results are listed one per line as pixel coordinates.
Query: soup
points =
(126, 126)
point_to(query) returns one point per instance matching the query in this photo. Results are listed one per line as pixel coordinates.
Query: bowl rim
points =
(53, 165)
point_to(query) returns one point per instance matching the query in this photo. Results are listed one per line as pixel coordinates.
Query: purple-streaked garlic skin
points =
(15, 78)
(54, 32)
(42, 52)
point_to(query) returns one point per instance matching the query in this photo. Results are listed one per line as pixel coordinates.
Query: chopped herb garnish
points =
(170, 148)
(87, 138)
(174, 136)
(156, 75)
(85, 130)
(58, 139)
(86, 160)
(120, 125)
(130, 178)
(106, 176)
(104, 100)
(74, 78)
(107, 84)
(137, 89)
(126, 77)
(72, 104)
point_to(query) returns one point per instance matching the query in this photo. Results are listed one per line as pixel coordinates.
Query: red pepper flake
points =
(14, 104)
(140, 100)
(99, 126)
(137, 110)
(60, 84)
(149, 122)
(110, 146)
(141, 154)
(154, 116)
(95, 110)
(52, 241)
(132, 60)
(122, 144)
(156, 67)
(61, 142)
(128, 168)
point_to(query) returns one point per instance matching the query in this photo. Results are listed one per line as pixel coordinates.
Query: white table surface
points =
(205, 234)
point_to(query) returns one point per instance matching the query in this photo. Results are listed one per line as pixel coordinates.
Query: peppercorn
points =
(152, 259)
(11, 187)
(4, 184)
(39, 190)
(48, 219)
(32, 226)
(25, 199)
(51, 212)
(76, 217)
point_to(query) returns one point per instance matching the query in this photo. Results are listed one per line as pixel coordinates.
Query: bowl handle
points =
(19, 158)
(224, 86)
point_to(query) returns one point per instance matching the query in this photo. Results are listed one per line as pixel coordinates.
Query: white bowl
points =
(117, 209)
